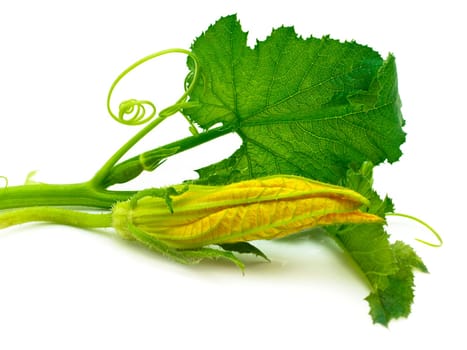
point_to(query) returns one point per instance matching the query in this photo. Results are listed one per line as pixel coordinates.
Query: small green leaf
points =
(395, 300)
(388, 267)
(361, 180)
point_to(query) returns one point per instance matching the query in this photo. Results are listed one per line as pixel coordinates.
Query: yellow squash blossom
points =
(265, 208)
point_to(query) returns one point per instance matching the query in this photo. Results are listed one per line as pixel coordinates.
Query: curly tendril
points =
(431, 229)
(134, 112)
(138, 112)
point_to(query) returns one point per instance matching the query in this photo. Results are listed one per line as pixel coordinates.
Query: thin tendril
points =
(435, 233)
(134, 112)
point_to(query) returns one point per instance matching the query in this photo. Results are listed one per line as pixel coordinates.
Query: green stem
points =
(89, 194)
(103, 172)
(132, 167)
(57, 215)
(83, 194)
(34, 202)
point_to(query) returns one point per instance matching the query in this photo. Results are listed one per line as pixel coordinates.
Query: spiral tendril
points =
(138, 112)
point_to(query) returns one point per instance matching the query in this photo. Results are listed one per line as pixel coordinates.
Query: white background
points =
(64, 288)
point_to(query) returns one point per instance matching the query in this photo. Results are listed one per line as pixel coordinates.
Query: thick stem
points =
(56, 215)
(84, 195)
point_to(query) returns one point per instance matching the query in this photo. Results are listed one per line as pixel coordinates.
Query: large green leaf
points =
(308, 107)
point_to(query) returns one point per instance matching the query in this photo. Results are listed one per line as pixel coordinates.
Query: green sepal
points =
(187, 257)
(165, 193)
(244, 248)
